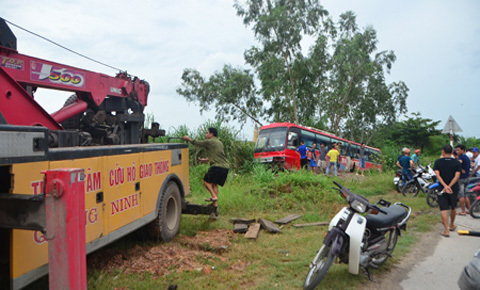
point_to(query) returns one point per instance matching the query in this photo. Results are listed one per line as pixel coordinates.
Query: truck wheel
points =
(73, 122)
(165, 226)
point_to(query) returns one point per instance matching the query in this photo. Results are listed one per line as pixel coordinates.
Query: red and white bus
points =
(277, 144)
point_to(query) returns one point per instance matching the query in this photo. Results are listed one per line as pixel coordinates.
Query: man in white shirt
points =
(476, 167)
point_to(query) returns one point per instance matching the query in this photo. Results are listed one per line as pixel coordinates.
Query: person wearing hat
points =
(476, 168)
(416, 157)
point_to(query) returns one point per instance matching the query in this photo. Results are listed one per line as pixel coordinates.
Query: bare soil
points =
(182, 254)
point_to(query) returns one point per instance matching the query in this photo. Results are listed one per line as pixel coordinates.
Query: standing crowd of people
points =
(453, 170)
(326, 161)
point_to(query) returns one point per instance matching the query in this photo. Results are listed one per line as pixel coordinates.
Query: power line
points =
(61, 46)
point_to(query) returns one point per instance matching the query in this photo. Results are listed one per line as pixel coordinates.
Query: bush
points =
(239, 153)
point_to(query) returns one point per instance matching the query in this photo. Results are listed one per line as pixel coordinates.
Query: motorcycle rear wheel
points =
(410, 189)
(391, 237)
(432, 198)
(475, 209)
(319, 267)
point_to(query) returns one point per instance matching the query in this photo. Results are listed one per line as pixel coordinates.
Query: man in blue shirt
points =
(463, 181)
(302, 150)
(406, 164)
(416, 157)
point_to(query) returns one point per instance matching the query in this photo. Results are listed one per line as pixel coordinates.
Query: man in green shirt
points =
(218, 171)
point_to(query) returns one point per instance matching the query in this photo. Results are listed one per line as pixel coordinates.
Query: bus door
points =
(292, 160)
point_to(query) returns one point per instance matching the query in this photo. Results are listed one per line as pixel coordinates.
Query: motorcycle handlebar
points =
(337, 184)
(344, 189)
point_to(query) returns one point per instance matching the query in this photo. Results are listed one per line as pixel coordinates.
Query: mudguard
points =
(355, 231)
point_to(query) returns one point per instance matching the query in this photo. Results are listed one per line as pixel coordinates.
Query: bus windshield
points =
(272, 139)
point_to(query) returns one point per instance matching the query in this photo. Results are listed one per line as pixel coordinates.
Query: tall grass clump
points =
(239, 152)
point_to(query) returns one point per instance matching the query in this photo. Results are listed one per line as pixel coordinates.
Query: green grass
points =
(274, 261)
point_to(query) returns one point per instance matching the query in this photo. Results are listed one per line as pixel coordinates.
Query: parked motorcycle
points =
(475, 206)
(433, 193)
(422, 179)
(397, 180)
(473, 193)
(359, 241)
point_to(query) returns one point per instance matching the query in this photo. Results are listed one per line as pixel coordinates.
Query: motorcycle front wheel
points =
(432, 198)
(319, 267)
(475, 209)
(410, 189)
(391, 238)
(399, 185)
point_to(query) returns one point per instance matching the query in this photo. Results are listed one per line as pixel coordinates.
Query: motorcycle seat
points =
(395, 214)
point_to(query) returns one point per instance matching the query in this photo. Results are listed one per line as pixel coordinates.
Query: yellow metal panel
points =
(123, 203)
(156, 167)
(114, 175)
(94, 183)
(29, 249)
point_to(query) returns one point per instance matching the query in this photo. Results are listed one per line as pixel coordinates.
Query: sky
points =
(437, 44)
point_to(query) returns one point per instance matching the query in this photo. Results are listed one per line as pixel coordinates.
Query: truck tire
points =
(166, 224)
(73, 122)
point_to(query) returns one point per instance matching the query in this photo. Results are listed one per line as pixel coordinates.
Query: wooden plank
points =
(242, 221)
(253, 231)
(311, 224)
(288, 219)
(240, 228)
(269, 226)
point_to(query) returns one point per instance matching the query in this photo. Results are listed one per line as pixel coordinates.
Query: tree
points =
(337, 84)
(279, 26)
(415, 132)
(231, 92)
(360, 100)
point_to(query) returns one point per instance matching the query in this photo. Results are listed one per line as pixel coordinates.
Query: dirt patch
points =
(398, 271)
(183, 254)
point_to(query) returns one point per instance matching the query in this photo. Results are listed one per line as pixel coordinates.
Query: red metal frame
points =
(17, 71)
(65, 212)
(292, 159)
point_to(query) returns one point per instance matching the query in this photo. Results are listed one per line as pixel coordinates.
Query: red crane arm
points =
(18, 71)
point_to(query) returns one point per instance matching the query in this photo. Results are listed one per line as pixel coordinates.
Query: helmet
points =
(417, 151)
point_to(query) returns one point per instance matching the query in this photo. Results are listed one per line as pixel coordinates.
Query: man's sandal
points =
(211, 199)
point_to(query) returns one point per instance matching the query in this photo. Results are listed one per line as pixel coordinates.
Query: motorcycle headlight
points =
(358, 206)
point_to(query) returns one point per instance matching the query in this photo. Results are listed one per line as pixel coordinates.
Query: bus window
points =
(374, 156)
(308, 137)
(355, 150)
(293, 141)
(322, 139)
(272, 139)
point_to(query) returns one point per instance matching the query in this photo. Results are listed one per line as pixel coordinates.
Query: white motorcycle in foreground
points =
(359, 241)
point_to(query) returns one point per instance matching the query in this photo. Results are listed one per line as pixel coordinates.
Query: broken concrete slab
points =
(288, 219)
(240, 228)
(242, 221)
(269, 226)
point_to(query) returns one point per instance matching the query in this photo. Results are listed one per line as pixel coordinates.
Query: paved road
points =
(442, 269)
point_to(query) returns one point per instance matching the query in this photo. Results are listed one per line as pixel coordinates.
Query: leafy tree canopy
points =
(337, 83)
(415, 132)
